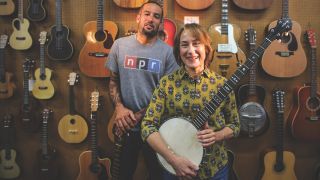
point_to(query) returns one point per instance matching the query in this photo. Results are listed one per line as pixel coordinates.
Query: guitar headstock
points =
(278, 96)
(7, 121)
(27, 65)
(46, 115)
(94, 101)
(73, 78)
(43, 37)
(3, 41)
(311, 37)
(284, 25)
(250, 35)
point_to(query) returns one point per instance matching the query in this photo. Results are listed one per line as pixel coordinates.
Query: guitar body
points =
(36, 11)
(47, 167)
(59, 47)
(20, 39)
(94, 53)
(8, 167)
(286, 59)
(7, 87)
(195, 5)
(131, 4)
(100, 171)
(304, 117)
(30, 118)
(43, 88)
(6, 7)
(244, 96)
(287, 173)
(169, 31)
(253, 4)
(73, 128)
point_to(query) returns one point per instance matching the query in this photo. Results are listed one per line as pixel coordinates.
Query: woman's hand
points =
(208, 137)
(184, 168)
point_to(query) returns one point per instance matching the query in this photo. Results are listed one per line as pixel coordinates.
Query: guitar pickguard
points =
(232, 45)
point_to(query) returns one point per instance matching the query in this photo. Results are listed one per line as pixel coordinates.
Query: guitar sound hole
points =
(314, 103)
(279, 167)
(95, 168)
(100, 35)
(72, 121)
(17, 24)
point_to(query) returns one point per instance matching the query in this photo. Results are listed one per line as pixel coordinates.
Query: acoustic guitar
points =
(131, 4)
(279, 164)
(6, 7)
(59, 47)
(167, 28)
(20, 38)
(253, 117)
(253, 4)
(36, 11)
(9, 169)
(287, 58)
(43, 88)
(91, 166)
(227, 56)
(72, 127)
(6, 85)
(304, 117)
(100, 36)
(195, 5)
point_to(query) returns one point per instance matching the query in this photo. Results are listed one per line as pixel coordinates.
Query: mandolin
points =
(195, 5)
(227, 56)
(59, 46)
(6, 85)
(100, 36)
(286, 58)
(36, 11)
(20, 38)
(253, 117)
(72, 127)
(43, 88)
(304, 117)
(279, 164)
(6, 7)
(91, 166)
(131, 4)
(253, 4)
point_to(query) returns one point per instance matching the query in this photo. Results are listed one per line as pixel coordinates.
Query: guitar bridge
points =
(3, 91)
(98, 54)
(3, 3)
(285, 53)
(314, 118)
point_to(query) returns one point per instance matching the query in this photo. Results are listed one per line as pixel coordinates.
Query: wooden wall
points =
(76, 13)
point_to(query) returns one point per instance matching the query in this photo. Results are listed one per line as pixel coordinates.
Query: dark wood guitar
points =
(253, 117)
(195, 5)
(6, 7)
(9, 169)
(304, 117)
(100, 36)
(36, 11)
(6, 85)
(131, 4)
(72, 127)
(279, 164)
(91, 166)
(59, 47)
(253, 4)
(227, 55)
(46, 168)
(286, 58)
(30, 118)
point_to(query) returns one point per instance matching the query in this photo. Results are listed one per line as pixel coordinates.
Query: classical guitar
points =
(91, 166)
(253, 4)
(253, 117)
(182, 140)
(304, 117)
(100, 36)
(279, 164)
(227, 55)
(43, 88)
(59, 46)
(6, 7)
(36, 11)
(30, 118)
(20, 39)
(131, 4)
(72, 127)
(195, 5)
(9, 169)
(286, 58)
(46, 168)
(6, 85)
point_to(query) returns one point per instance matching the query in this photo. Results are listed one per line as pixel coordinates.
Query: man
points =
(137, 63)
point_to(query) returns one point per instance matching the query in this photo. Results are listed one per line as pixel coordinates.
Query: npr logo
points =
(147, 64)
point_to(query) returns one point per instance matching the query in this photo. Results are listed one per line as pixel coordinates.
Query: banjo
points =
(179, 133)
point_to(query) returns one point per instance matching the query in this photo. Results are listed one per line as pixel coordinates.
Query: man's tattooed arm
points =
(114, 89)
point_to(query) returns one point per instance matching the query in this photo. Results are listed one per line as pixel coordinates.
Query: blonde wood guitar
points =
(130, 4)
(195, 5)
(6, 7)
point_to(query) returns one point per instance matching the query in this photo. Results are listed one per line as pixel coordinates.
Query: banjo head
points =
(180, 135)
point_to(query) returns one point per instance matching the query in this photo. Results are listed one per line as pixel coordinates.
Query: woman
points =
(185, 92)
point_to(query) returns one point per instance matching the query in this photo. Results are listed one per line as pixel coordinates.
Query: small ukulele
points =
(6, 7)
(36, 11)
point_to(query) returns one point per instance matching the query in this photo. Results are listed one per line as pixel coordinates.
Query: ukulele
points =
(20, 39)
(286, 58)
(253, 117)
(195, 5)
(9, 169)
(253, 4)
(227, 56)
(100, 36)
(59, 47)
(279, 164)
(72, 127)
(36, 11)
(6, 7)
(47, 168)
(30, 119)
(6, 85)
(304, 117)
(91, 166)
(131, 4)
(43, 88)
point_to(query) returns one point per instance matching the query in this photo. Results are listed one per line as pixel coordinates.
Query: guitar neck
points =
(2, 70)
(252, 74)
(71, 101)
(115, 168)
(59, 15)
(285, 8)
(314, 83)
(26, 87)
(44, 137)
(279, 138)
(224, 17)
(100, 15)
(94, 138)
(42, 65)
(20, 9)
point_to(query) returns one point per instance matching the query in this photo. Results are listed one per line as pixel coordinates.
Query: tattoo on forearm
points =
(114, 88)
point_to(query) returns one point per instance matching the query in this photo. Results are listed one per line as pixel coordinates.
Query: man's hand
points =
(125, 119)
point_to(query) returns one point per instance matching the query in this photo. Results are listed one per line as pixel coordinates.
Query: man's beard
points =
(149, 34)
